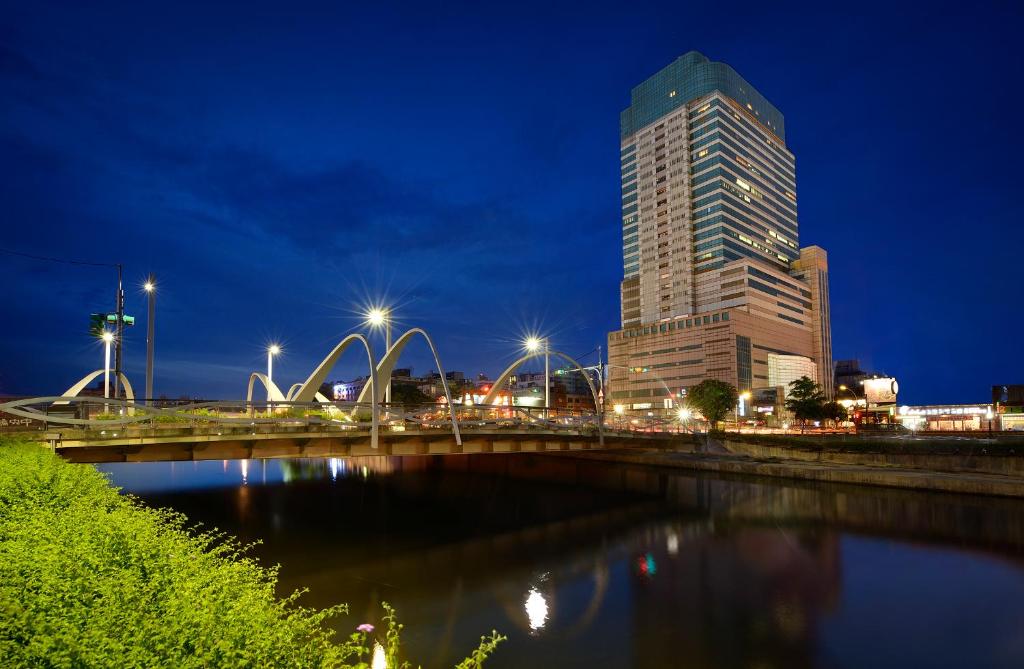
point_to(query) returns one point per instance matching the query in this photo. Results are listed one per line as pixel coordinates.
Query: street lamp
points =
(740, 406)
(989, 416)
(379, 317)
(684, 415)
(150, 288)
(533, 344)
(272, 350)
(107, 338)
(856, 397)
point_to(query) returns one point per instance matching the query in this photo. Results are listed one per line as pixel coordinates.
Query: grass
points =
(93, 578)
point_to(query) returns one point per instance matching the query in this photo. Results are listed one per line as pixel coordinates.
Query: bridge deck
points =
(200, 443)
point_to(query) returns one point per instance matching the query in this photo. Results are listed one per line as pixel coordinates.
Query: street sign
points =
(97, 322)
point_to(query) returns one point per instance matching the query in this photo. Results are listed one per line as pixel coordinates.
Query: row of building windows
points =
(678, 324)
(753, 271)
(783, 163)
(767, 184)
(717, 202)
(749, 186)
(733, 122)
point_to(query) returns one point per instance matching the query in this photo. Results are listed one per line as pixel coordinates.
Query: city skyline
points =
(237, 200)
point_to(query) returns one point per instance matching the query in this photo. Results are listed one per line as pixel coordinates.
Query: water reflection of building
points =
(744, 597)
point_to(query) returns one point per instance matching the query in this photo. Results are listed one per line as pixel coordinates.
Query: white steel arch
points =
(311, 387)
(273, 391)
(74, 390)
(500, 382)
(387, 366)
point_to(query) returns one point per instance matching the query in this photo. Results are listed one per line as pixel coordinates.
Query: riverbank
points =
(89, 577)
(967, 474)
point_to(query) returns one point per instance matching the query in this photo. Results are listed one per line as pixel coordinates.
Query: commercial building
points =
(714, 280)
(1008, 401)
(948, 418)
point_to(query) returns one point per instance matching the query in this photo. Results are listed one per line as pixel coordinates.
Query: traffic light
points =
(98, 322)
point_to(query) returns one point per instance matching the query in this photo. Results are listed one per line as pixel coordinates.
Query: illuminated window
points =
(672, 94)
(702, 153)
(704, 108)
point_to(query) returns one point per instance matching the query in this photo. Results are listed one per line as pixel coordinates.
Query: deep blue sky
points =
(278, 165)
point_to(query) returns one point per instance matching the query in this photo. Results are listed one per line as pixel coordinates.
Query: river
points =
(586, 564)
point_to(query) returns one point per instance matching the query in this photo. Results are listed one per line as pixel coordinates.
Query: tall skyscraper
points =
(714, 279)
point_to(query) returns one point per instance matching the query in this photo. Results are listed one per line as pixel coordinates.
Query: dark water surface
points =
(585, 564)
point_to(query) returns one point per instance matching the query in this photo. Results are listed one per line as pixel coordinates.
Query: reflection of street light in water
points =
(379, 660)
(536, 609)
(672, 543)
(245, 472)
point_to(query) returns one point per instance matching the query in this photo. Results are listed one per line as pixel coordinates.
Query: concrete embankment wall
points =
(972, 461)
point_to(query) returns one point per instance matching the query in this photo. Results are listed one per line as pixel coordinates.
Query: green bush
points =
(92, 578)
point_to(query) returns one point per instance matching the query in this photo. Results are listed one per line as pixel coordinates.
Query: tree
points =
(806, 400)
(713, 399)
(834, 411)
(404, 393)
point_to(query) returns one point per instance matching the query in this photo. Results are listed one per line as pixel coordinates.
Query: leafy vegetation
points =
(92, 578)
(806, 400)
(713, 399)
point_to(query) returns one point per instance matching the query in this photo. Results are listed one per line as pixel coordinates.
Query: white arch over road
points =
(503, 378)
(74, 390)
(387, 366)
(310, 389)
(273, 392)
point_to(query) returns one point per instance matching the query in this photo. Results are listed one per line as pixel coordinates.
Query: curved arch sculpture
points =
(272, 390)
(499, 383)
(387, 366)
(310, 389)
(78, 387)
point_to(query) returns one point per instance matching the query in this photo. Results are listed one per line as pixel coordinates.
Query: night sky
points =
(280, 165)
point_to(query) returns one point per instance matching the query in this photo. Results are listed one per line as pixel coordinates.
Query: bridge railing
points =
(92, 413)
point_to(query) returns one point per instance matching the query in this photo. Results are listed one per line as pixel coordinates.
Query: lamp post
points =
(107, 337)
(684, 416)
(150, 288)
(856, 397)
(532, 345)
(376, 318)
(272, 350)
(989, 416)
(745, 395)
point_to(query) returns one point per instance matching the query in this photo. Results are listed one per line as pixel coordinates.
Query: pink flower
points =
(365, 627)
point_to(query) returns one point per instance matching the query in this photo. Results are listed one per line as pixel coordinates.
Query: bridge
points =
(302, 422)
(89, 429)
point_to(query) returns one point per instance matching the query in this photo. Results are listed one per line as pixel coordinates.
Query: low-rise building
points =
(948, 417)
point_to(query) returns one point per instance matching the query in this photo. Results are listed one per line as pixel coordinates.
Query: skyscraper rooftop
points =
(690, 76)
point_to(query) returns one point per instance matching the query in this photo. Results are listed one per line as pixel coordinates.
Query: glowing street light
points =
(150, 288)
(272, 350)
(536, 606)
(684, 414)
(534, 344)
(619, 409)
(378, 317)
(108, 338)
(741, 407)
